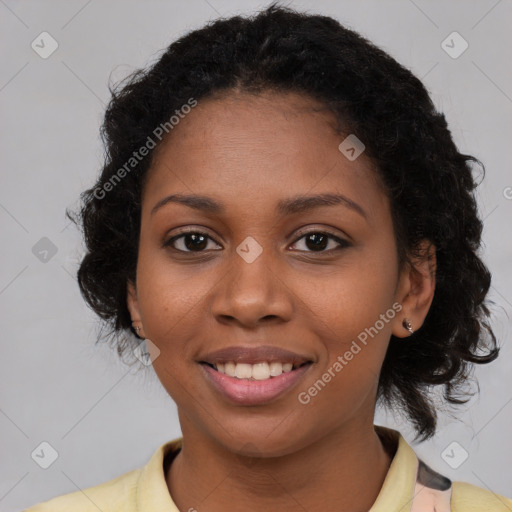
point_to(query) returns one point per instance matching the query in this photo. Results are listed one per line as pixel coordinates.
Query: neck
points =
(342, 471)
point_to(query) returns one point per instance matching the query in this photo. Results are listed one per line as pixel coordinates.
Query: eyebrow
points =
(297, 204)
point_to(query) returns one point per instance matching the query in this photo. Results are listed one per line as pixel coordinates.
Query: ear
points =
(133, 307)
(416, 287)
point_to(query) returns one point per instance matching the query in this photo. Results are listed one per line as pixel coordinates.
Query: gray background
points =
(58, 386)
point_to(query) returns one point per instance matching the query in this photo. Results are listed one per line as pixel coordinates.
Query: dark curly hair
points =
(430, 184)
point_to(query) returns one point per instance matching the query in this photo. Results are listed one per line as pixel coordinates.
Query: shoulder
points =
(470, 498)
(114, 496)
(431, 490)
(144, 487)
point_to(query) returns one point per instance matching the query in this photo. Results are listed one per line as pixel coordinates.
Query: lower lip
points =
(254, 392)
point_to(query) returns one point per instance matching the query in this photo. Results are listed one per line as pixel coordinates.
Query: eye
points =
(318, 241)
(190, 241)
(197, 241)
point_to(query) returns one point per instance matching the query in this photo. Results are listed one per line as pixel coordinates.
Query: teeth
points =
(276, 368)
(258, 371)
(243, 371)
(229, 368)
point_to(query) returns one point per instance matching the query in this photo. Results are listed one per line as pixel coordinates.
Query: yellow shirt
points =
(409, 486)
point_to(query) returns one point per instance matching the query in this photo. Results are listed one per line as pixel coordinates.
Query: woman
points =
(285, 220)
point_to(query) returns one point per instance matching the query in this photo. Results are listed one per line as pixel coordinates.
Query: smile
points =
(259, 371)
(238, 385)
(253, 375)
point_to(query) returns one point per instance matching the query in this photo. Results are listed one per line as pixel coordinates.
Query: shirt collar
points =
(398, 488)
(152, 491)
(395, 494)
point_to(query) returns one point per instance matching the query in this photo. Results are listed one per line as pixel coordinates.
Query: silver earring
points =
(137, 329)
(407, 325)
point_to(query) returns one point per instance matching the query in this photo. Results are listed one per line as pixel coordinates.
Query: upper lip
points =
(253, 355)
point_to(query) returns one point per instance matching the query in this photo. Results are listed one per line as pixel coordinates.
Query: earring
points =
(407, 325)
(137, 329)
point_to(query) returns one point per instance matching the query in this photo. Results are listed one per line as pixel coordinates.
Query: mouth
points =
(259, 371)
(254, 376)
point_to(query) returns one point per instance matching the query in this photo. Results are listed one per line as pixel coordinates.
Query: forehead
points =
(259, 148)
(228, 123)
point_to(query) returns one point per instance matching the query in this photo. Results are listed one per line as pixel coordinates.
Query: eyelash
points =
(343, 243)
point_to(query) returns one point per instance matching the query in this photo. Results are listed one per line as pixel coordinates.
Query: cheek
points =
(351, 299)
(170, 295)
(352, 313)
(354, 348)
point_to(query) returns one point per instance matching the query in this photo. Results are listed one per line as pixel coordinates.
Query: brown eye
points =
(193, 241)
(318, 241)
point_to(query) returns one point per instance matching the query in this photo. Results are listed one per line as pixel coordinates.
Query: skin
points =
(249, 152)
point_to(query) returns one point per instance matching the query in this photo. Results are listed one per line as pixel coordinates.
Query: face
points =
(258, 275)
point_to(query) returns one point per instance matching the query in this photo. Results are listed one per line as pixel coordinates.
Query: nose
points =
(253, 293)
